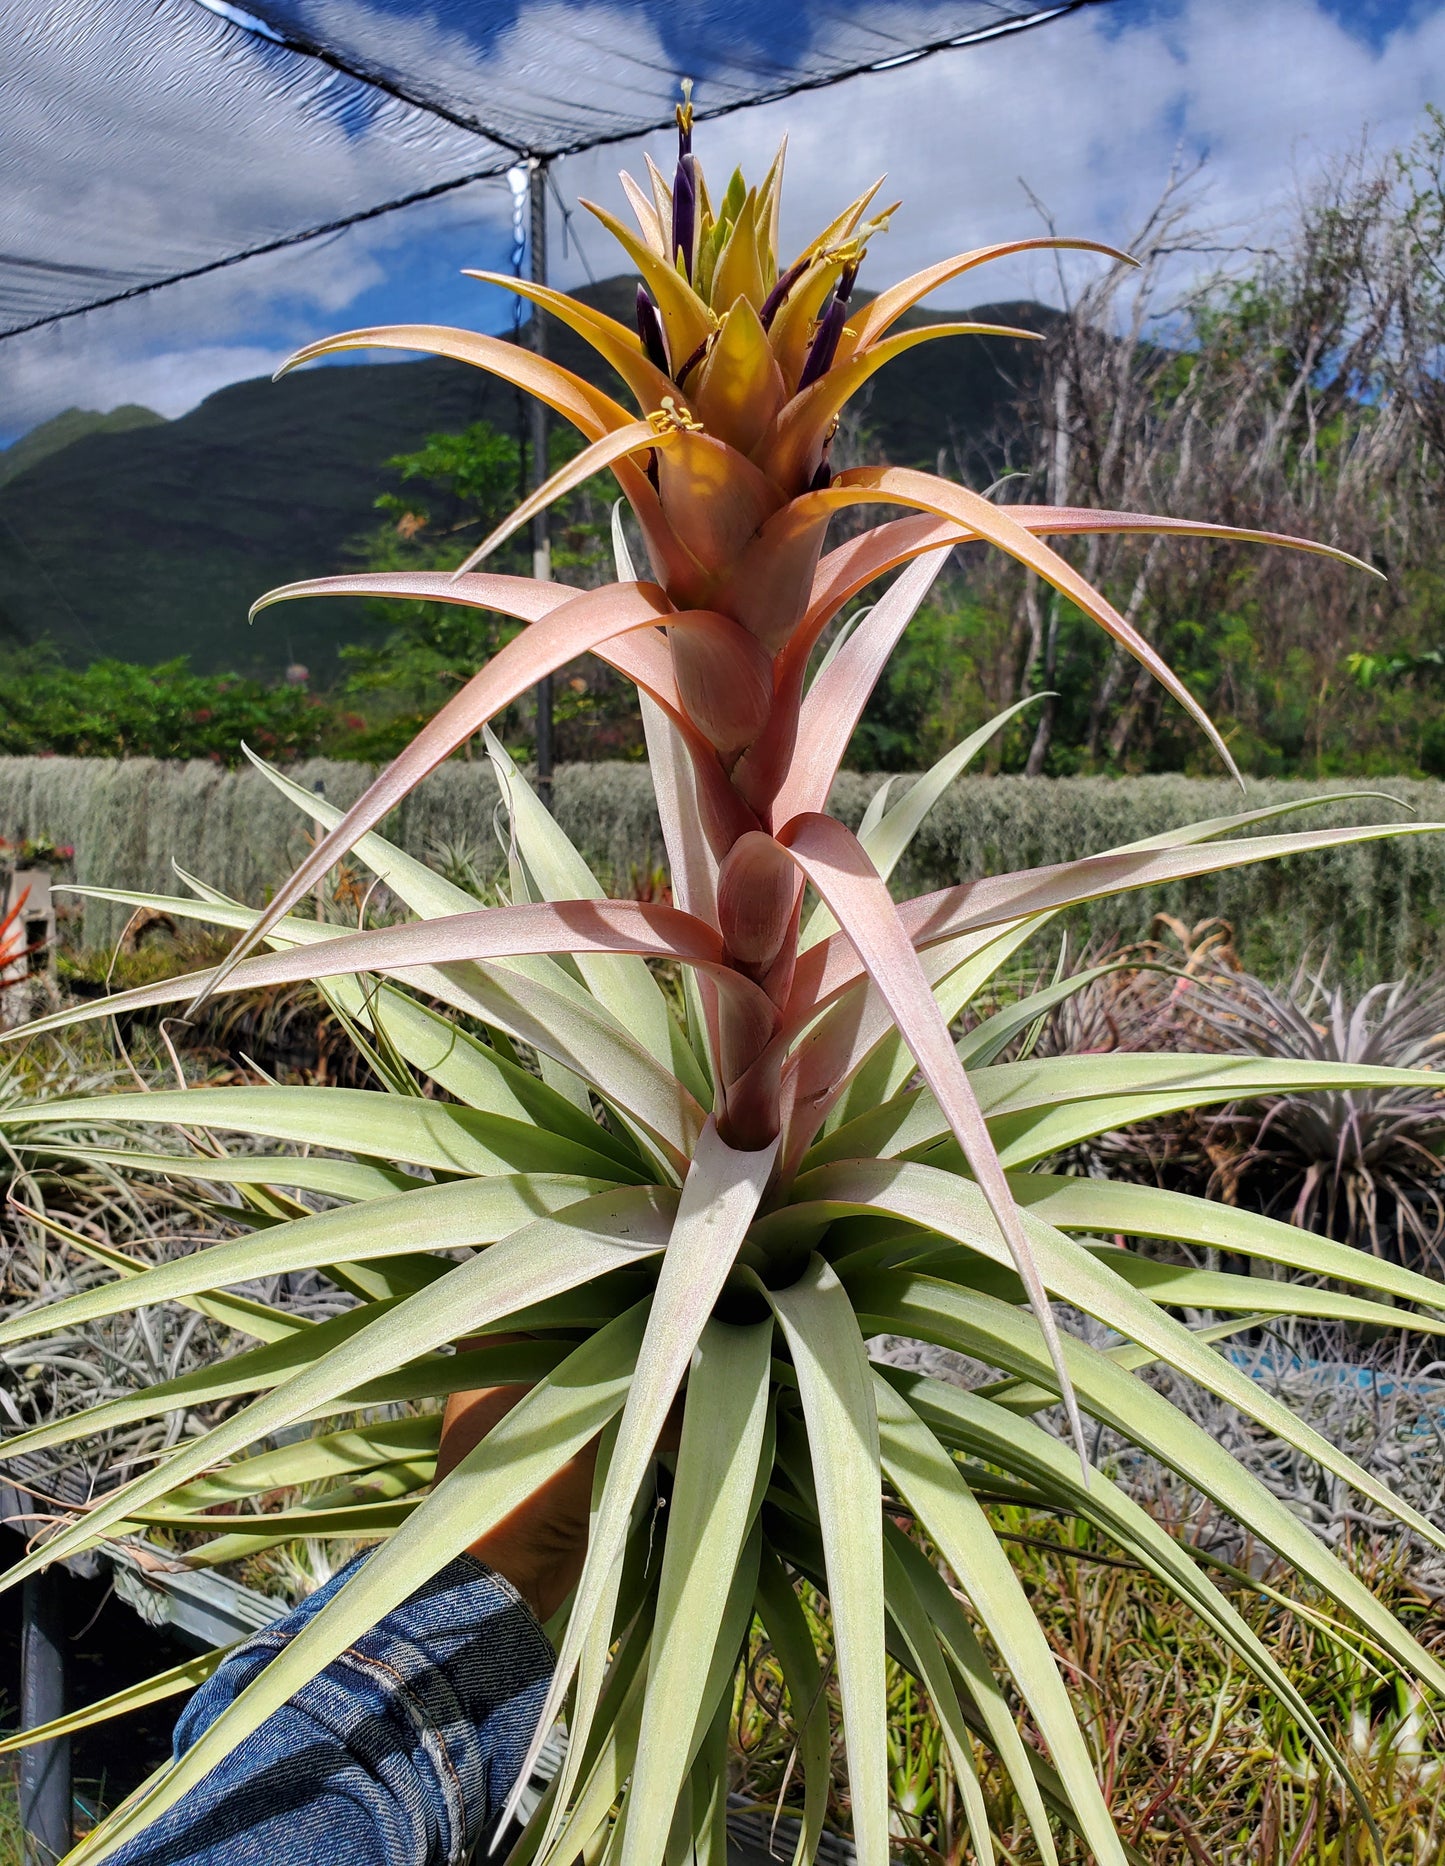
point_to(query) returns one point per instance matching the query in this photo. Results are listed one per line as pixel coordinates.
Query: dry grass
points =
(46, 1204)
(1198, 1766)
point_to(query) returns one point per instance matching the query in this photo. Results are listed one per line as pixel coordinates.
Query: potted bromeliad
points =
(706, 1203)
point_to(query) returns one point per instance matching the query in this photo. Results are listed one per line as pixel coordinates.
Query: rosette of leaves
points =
(711, 1204)
(1365, 1167)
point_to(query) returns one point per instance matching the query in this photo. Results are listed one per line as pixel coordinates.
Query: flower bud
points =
(773, 303)
(724, 676)
(824, 347)
(684, 215)
(650, 330)
(756, 885)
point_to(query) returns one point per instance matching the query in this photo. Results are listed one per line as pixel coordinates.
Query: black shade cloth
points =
(144, 141)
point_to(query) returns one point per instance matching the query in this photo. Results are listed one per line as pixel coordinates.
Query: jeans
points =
(401, 1753)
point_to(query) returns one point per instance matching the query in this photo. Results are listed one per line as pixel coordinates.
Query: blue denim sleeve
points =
(401, 1753)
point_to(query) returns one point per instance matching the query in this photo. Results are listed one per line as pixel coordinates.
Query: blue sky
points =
(1087, 113)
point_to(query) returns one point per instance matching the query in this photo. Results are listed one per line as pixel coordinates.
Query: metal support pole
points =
(541, 531)
(44, 1768)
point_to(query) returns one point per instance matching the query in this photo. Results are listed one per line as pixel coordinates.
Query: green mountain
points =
(149, 540)
(63, 430)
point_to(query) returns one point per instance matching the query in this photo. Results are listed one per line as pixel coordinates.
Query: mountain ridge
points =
(71, 425)
(150, 540)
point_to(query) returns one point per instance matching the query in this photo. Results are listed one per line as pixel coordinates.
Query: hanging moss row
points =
(1373, 910)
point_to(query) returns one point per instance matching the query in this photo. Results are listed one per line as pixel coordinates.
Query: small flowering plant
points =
(13, 947)
(36, 852)
(712, 1204)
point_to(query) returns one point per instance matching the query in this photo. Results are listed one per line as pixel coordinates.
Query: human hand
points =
(540, 1545)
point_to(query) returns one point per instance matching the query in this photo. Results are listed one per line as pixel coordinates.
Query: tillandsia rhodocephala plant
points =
(714, 1206)
(12, 934)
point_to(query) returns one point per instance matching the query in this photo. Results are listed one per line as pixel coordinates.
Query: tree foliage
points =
(117, 709)
(453, 490)
(1300, 389)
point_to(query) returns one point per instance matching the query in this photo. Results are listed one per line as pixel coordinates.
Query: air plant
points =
(1362, 1166)
(14, 949)
(716, 1202)
(12, 934)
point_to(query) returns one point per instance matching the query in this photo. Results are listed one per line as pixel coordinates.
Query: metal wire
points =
(592, 120)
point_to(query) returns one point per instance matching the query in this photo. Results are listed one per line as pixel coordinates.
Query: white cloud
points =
(208, 153)
(103, 376)
(1088, 111)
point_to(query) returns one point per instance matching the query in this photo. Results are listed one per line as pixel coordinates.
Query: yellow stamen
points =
(672, 418)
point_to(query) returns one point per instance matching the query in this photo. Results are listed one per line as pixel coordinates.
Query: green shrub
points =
(118, 709)
(1376, 910)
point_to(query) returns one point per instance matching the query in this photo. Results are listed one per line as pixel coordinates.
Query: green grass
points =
(12, 1835)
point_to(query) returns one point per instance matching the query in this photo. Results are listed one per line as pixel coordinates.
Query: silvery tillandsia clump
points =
(705, 1206)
